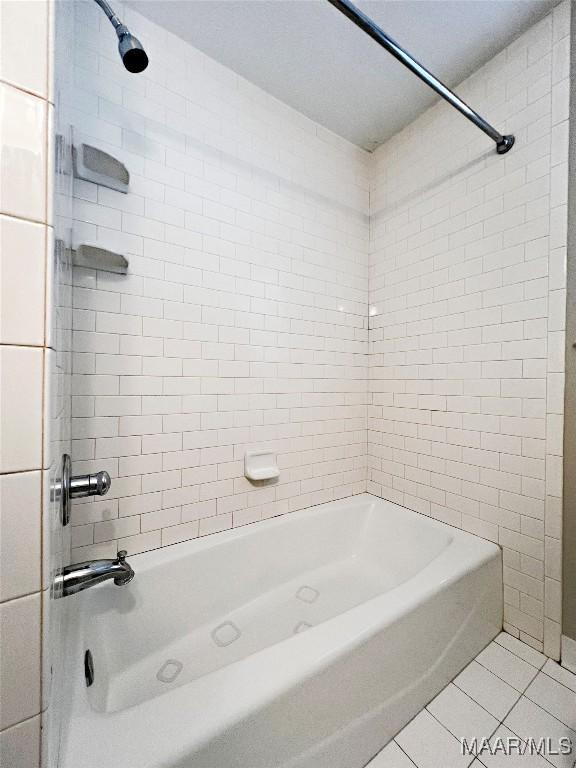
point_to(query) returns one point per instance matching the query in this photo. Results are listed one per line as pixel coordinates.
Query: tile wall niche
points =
(467, 317)
(25, 348)
(242, 322)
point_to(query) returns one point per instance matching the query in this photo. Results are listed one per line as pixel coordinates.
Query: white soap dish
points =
(260, 465)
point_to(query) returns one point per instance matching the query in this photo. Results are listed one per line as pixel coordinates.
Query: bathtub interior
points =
(200, 606)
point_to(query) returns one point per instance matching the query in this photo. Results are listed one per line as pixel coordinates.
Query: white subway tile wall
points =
(242, 322)
(25, 217)
(467, 306)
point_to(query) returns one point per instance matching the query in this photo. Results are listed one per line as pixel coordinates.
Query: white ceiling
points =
(310, 56)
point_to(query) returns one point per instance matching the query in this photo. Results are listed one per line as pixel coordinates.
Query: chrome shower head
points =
(130, 48)
(131, 51)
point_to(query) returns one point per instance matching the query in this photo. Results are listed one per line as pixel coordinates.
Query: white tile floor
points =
(509, 690)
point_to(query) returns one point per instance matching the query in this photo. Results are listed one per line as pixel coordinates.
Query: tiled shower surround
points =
(243, 322)
(467, 281)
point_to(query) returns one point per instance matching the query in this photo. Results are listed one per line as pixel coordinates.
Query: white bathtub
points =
(306, 641)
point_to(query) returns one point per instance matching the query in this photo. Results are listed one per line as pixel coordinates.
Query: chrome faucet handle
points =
(102, 482)
(67, 487)
(121, 556)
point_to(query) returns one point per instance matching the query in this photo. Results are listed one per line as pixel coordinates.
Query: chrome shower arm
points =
(114, 19)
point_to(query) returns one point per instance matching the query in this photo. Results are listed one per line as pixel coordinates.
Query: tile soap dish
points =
(260, 465)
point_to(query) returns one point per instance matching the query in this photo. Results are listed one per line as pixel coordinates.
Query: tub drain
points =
(88, 668)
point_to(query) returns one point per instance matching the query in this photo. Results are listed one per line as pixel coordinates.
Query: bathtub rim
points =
(170, 552)
(271, 671)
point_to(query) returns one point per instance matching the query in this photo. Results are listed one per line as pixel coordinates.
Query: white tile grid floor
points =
(509, 690)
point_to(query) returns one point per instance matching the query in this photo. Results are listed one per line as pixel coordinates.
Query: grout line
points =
(547, 711)
(477, 704)
(23, 89)
(22, 471)
(404, 752)
(521, 737)
(28, 219)
(21, 722)
(520, 657)
(486, 710)
(536, 672)
(510, 710)
(558, 681)
(22, 344)
(499, 678)
(458, 738)
(23, 597)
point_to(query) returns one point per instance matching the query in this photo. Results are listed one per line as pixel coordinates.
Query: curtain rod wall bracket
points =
(503, 143)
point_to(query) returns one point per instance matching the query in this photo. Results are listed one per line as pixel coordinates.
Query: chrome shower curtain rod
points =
(503, 143)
